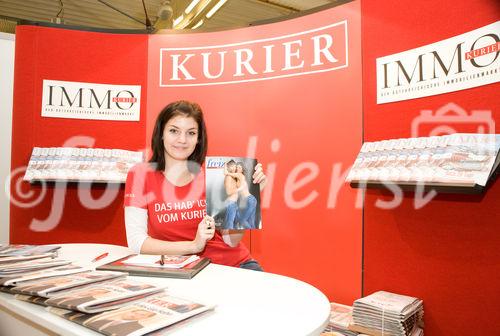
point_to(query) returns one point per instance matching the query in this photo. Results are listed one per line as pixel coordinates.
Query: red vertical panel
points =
(313, 120)
(447, 252)
(70, 55)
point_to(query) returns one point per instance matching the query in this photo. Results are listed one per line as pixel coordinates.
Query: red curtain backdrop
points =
(447, 252)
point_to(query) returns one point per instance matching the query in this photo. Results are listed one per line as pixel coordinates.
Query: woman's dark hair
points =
(185, 109)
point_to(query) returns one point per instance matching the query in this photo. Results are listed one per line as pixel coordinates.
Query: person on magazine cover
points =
(231, 188)
(165, 201)
(247, 203)
(122, 324)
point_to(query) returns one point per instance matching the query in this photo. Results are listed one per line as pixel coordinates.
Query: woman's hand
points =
(206, 231)
(259, 177)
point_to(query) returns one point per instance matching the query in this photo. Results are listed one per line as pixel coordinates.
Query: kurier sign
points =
(461, 62)
(317, 50)
(77, 100)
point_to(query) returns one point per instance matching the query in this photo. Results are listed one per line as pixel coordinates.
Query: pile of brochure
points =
(384, 313)
(81, 164)
(457, 159)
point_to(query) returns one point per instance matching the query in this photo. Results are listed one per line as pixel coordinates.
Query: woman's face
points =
(239, 168)
(180, 137)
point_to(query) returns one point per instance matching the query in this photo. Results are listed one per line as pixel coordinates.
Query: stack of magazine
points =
(384, 313)
(87, 164)
(454, 160)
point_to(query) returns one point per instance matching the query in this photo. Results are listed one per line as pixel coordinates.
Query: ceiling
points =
(129, 14)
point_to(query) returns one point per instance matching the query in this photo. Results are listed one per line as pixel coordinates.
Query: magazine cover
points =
(104, 296)
(233, 200)
(57, 285)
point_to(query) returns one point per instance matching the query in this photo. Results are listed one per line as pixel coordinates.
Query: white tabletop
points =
(247, 302)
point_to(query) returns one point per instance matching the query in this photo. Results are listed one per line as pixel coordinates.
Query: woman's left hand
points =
(259, 177)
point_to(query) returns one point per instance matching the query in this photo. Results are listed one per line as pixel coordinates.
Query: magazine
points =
(458, 159)
(233, 200)
(104, 296)
(173, 261)
(61, 284)
(19, 278)
(141, 317)
(15, 269)
(186, 272)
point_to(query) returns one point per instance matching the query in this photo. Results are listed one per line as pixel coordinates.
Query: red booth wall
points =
(447, 252)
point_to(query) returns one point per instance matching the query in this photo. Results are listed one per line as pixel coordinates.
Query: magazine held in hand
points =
(233, 200)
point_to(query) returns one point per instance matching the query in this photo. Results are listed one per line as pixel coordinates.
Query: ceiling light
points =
(215, 8)
(197, 25)
(191, 6)
(178, 20)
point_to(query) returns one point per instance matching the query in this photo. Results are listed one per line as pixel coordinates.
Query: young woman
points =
(165, 207)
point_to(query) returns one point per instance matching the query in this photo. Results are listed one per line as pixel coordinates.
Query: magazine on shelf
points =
(38, 300)
(233, 200)
(139, 318)
(19, 278)
(104, 296)
(186, 272)
(26, 250)
(61, 284)
(459, 159)
(80, 164)
(17, 268)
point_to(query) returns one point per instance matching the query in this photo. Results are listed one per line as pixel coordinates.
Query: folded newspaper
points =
(104, 296)
(388, 313)
(172, 261)
(25, 250)
(19, 258)
(38, 300)
(60, 284)
(7, 270)
(20, 277)
(139, 318)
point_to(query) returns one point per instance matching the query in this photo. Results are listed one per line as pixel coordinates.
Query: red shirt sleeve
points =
(136, 187)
